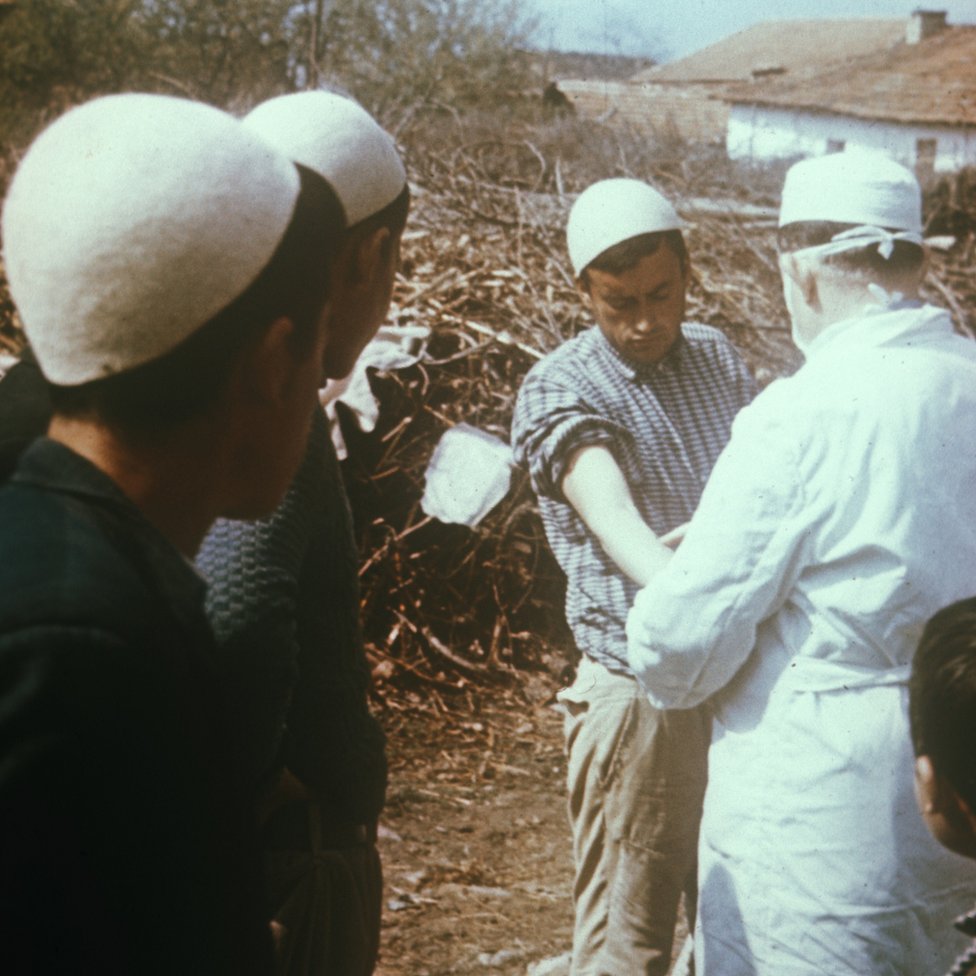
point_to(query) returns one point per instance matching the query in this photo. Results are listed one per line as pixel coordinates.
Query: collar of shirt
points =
(874, 326)
(51, 466)
(639, 371)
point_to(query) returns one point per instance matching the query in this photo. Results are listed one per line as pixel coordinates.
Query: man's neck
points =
(843, 301)
(167, 479)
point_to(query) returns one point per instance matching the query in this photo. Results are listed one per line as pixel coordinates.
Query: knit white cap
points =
(341, 141)
(613, 211)
(132, 221)
(853, 187)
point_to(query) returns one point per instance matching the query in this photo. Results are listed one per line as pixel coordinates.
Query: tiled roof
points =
(932, 82)
(788, 46)
(688, 111)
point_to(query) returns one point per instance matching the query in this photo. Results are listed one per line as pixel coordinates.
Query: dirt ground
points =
(475, 841)
(475, 844)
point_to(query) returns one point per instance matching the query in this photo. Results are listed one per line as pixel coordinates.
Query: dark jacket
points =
(284, 603)
(25, 409)
(124, 844)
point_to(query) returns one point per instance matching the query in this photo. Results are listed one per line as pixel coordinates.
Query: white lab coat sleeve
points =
(694, 625)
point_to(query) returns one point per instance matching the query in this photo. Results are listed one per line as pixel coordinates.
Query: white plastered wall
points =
(762, 133)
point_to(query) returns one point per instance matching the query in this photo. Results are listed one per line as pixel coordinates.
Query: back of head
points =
(342, 143)
(943, 697)
(857, 212)
(615, 222)
(136, 222)
(338, 139)
(130, 222)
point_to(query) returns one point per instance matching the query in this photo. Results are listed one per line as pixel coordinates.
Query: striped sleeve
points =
(551, 422)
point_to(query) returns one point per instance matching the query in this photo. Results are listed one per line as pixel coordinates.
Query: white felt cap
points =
(131, 221)
(852, 187)
(613, 211)
(341, 141)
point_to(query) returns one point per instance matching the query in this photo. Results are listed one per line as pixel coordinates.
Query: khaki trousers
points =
(636, 780)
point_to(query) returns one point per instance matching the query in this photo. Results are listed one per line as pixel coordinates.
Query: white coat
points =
(841, 515)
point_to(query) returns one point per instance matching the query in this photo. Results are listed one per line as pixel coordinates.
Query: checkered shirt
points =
(665, 424)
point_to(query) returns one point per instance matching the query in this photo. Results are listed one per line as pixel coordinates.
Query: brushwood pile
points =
(448, 610)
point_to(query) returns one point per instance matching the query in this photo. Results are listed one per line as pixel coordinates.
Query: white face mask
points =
(794, 306)
(799, 339)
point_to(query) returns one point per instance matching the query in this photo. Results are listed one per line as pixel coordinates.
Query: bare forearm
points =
(595, 486)
(633, 547)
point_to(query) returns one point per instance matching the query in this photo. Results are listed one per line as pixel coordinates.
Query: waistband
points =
(594, 679)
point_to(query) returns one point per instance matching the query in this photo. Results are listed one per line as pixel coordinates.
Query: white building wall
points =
(761, 133)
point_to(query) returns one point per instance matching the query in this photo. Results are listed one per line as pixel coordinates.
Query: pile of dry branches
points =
(448, 609)
(950, 223)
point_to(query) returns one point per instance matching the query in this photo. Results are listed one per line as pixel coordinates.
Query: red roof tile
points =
(932, 82)
(787, 45)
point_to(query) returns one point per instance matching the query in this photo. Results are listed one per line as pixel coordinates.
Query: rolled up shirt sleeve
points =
(551, 422)
(694, 626)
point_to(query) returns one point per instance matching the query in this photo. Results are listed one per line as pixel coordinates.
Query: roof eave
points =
(863, 116)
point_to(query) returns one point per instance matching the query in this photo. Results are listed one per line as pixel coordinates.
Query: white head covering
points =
(613, 211)
(132, 221)
(853, 187)
(878, 196)
(341, 141)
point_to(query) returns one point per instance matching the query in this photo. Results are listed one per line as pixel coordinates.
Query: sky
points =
(667, 29)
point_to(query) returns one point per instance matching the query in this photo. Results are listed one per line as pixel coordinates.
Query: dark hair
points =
(625, 255)
(942, 696)
(866, 261)
(393, 216)
(186, 381)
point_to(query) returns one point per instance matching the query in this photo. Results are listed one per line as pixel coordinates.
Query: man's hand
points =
(286, 789)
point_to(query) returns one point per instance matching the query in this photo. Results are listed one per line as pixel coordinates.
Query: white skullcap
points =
(341, 141)
(613, 211)
(132, 221)
(853, 187)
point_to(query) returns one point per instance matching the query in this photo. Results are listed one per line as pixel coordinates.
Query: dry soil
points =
(475, 843)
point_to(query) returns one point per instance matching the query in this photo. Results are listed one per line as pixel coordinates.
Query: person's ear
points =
(946, 814)
(372, 255)
(268, 366)
(927, 787)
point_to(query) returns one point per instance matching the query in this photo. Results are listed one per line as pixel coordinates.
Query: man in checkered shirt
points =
(619, 428)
